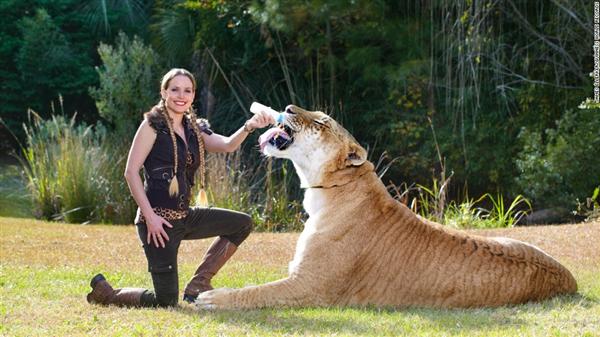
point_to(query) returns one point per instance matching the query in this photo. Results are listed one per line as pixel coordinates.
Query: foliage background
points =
(499, 82)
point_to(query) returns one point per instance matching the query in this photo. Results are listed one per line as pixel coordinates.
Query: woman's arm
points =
(140, 148)
(220, 143)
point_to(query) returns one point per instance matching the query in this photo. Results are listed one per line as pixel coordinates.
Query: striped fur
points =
(361, 247)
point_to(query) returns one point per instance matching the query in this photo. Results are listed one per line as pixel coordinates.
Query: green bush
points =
(129, 83)
(73, 174)
(49, 63)
(561, 165)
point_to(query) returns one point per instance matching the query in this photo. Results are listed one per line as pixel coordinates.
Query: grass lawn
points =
(45, 270)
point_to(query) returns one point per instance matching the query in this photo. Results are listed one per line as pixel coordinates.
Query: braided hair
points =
(201, 199)
(196, 128)
(162, 109)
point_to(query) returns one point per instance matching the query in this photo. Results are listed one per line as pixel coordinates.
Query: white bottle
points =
(277, 116)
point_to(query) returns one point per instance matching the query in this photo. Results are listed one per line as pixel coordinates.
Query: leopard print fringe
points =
(166, 213)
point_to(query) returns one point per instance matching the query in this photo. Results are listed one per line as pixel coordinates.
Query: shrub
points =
(49, 63)
(561, 165)
(129, 83)
(71, 172)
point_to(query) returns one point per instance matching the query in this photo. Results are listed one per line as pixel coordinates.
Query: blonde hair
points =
(191, 115)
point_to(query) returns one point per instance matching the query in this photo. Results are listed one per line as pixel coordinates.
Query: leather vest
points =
(158, 166)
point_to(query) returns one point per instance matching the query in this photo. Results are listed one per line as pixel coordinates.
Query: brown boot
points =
(219, 252)
(103, 293)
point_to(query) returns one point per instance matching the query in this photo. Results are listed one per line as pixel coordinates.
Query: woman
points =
(170, 144)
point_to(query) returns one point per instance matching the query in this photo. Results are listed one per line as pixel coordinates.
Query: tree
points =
(129, 83)
(48, 64)
(561, 166)
(12, 110)
(106, 15)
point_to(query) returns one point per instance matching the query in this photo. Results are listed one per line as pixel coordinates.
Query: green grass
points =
(45, 269)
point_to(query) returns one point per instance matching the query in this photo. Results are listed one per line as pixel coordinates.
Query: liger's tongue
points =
(270, 134)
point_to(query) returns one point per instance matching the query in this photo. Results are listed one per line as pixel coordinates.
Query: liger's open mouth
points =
(281, 137)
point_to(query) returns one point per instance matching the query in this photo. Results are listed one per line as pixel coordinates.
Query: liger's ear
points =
(356, 155)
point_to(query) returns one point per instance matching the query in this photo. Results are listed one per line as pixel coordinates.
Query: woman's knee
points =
(246, 225)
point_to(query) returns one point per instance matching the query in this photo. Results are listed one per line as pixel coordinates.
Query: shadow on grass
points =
(378, 321)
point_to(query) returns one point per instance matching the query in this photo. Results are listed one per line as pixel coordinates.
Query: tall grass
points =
(71, 172)
(115, 204)
(77, 161)
(511, 215)
(430, 203)
(227, 181)
(281, 212)
(261, 191)
(467, 215)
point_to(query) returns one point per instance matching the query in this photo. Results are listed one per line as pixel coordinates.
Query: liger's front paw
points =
(221, 298)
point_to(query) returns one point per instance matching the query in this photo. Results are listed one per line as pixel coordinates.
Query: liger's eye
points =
(321, 123)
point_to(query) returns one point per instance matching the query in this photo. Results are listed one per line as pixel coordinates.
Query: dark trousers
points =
(199, 224)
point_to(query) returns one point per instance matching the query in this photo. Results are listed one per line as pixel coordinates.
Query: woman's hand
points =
(156, 232)
(260, 119)
(218, 143)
